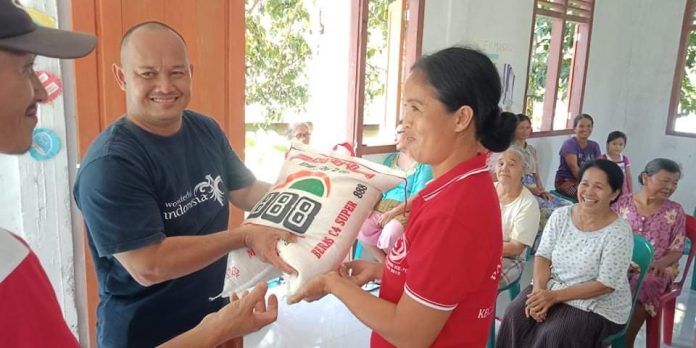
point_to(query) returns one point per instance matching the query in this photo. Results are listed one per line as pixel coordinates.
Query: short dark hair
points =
(616, 135)
(659, 164)
(577, 119)
(523, 118)
(464, 76)
(615, 175)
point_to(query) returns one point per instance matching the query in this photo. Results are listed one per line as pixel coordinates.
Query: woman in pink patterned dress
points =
(661, 221)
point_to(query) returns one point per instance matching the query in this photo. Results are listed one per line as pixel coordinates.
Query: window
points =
(559, 48)
(682, 106)
(386, 41)
(338, 65)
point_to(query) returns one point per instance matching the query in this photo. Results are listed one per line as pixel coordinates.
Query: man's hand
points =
(264, 242)
(244, 315)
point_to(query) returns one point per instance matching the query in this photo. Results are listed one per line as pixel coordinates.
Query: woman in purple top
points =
(662, 222)
(575, 152)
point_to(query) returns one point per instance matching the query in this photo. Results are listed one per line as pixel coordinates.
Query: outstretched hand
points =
(264, 242)
(244, 315)
(314, 290)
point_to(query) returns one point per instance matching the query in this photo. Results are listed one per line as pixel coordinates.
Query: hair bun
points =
(497, 130)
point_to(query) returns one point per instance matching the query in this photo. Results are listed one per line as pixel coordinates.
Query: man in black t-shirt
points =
(154, 190)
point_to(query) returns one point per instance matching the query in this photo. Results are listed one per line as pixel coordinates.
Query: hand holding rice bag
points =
(324, 199)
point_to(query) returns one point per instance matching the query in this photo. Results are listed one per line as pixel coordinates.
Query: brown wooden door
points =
(214, 32)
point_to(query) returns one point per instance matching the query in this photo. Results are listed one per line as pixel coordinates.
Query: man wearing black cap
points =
(30, 315)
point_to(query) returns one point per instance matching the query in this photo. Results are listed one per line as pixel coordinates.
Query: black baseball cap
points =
(18, 32)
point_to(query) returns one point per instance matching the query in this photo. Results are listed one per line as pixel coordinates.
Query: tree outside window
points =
(557, 62)
(682, 110)
(299, 60)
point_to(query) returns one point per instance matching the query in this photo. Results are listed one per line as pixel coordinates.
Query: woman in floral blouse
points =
(661, 221)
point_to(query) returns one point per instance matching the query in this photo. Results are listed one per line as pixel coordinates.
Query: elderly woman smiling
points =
(661, 221)
(580, 292)
(519, 211)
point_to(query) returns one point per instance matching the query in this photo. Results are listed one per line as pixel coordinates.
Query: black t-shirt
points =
(136, 188)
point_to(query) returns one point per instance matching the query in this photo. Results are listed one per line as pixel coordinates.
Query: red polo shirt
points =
(29, 312)
(449, 257)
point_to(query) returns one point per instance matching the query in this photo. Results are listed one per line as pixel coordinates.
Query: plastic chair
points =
(560, 195)
(668, 300)
(514, 288)
(642, 256)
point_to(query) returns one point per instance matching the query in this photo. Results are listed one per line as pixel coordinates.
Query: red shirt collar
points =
(475, 165)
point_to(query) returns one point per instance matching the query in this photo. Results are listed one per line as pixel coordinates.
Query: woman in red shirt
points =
(439, 282)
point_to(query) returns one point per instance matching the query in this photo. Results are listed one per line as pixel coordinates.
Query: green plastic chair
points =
(642, 256)
(567, 198)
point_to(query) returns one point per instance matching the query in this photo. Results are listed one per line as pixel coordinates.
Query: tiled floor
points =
(327, 323)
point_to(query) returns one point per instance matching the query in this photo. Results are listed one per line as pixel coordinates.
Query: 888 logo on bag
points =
(289, 209)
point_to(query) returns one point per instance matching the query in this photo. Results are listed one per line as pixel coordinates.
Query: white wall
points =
(631, 66)
(635, 63)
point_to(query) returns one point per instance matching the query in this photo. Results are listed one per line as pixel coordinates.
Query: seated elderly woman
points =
(519, 211)
(300, 132)
(661, 221)
(580, 292)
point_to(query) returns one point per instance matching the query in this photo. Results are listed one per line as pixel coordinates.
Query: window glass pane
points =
(538, 67)
(551, 5)
(297, 54)
(382, 71)
(686, 111)
(562, 112)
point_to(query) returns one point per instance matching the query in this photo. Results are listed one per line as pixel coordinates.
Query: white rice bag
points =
(325, 198)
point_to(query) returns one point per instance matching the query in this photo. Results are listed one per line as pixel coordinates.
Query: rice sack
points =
(323, 197)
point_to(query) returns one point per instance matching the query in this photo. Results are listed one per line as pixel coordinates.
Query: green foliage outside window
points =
(277, 54)
(687, 97)
(539, 62)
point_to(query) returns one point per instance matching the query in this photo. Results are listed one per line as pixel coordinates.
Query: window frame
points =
(358, 57)
(688, 26)
(576, 100)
